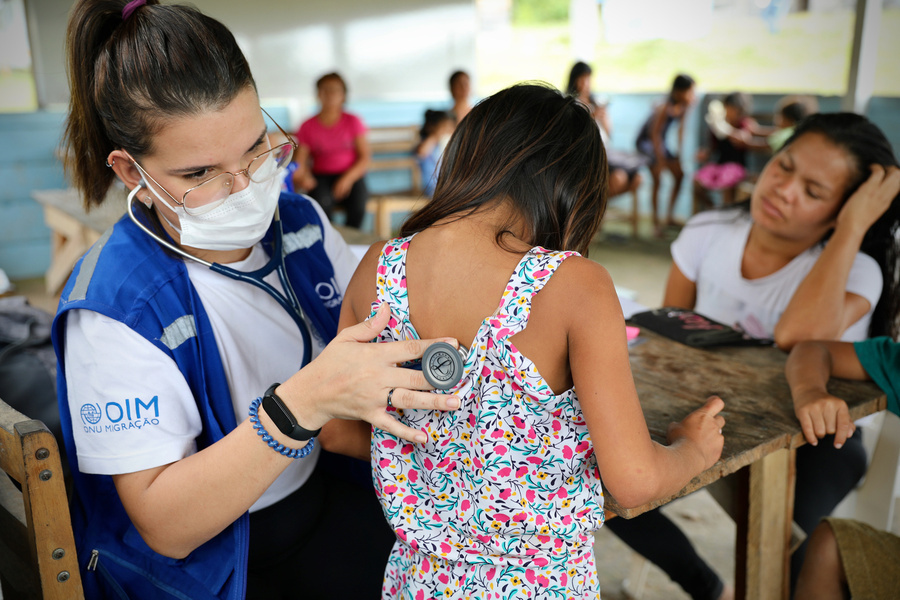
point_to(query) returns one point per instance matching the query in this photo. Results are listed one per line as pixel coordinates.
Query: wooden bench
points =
(37, 548)
(392, 150)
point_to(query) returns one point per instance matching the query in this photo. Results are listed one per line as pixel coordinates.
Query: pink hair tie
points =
(131, 7)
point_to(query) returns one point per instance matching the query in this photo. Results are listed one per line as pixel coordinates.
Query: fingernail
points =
(838, 446)
(421, 438)
(816, 443)
(452, 403)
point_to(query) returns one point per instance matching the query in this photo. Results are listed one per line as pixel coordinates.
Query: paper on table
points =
(631, 307)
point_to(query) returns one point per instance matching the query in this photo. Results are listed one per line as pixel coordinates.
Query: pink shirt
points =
(333, 149)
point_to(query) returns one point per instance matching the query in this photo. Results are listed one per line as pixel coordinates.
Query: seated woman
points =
(651, 142)
(332, 154)
(811, 256)
(623, 166)
(732, 133)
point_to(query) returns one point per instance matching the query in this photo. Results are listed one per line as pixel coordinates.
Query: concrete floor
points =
(640, 265)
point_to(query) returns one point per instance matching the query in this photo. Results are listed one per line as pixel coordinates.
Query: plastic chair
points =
(37, 548)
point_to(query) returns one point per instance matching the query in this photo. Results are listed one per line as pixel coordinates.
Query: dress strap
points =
(391, 282)
(530, 276)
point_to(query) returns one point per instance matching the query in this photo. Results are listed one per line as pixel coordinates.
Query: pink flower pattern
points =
(503, 499)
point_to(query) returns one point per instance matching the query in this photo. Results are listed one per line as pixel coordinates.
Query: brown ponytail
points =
(127, 77)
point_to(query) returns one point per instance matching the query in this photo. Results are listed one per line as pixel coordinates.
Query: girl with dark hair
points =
(504, 497)
(333, 154)
(191, 479)
(812, 256)
(651, 142)
(433, 138)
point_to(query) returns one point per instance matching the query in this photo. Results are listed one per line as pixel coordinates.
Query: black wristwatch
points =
(283, 418)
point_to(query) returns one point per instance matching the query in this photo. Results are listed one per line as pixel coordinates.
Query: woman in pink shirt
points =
(333, 154)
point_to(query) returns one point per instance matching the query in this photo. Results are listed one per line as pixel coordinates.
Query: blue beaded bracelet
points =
(272, 442)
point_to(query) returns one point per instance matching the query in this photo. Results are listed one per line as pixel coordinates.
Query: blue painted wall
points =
(27, 162)
(28, 143)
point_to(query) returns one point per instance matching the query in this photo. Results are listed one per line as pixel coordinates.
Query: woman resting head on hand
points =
(814, 254)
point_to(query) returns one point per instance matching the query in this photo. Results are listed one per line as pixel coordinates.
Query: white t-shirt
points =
(147, 414)
(709, 251)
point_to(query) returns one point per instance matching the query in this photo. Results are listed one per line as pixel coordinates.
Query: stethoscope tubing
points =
(288, 300)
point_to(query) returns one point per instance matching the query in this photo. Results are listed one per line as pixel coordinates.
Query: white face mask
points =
(238, 222)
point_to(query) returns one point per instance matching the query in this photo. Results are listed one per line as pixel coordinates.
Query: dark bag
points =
(694, 329)
(28, 363)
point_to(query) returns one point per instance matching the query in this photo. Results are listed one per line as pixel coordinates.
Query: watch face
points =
(276, 412)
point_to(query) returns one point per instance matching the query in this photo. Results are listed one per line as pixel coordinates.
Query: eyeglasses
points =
(205, 196)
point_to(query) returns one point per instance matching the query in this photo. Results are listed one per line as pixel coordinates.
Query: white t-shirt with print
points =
(709, 251)
(147, 414)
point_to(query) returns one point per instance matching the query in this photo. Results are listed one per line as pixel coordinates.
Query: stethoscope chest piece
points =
(442, 365)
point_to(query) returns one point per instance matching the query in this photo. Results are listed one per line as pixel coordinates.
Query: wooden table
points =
(73, 229)
(761, 435)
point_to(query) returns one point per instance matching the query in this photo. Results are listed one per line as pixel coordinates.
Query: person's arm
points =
(180, 506)
(363, 157)
(680, 292)
(426, 146)
(634, 468)
(353, 438)
(303, 178)
(808, 369)
(656, 133)
(821, 308)
(601, 115)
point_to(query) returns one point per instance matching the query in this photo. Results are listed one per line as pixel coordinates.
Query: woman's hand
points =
(871, 200)
(351, 379)
(702, 429)
(303, 180)
(342, 187)
(821, 414)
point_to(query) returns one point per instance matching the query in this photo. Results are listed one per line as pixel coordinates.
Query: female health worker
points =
(184, 336)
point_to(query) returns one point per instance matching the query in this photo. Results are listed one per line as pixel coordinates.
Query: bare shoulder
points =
(581, 284)
(362, 290)
(578, 274)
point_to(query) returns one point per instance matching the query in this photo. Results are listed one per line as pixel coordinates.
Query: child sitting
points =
(434, 135)
(505, 494)
(789, 111)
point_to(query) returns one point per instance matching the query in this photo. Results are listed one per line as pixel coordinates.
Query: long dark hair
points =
(127, 76)
(534, 147)
(579, 70)
(865, 145)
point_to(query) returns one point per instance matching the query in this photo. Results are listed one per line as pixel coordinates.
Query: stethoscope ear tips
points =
(442, 365)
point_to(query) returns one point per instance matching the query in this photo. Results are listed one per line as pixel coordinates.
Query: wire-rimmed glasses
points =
(205, 196)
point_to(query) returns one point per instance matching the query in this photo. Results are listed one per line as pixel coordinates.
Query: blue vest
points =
(127, 276)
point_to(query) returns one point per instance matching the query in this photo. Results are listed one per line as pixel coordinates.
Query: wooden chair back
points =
(392, 150)
(37, 548)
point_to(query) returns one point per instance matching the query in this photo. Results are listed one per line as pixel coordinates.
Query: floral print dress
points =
(503, 498)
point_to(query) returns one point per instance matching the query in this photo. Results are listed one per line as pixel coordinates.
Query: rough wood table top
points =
(673, 379)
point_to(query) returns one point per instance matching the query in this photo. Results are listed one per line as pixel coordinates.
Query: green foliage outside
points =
(811, 54)
(531, 12)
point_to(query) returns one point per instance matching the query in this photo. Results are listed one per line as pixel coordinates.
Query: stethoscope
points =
(288, 300)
